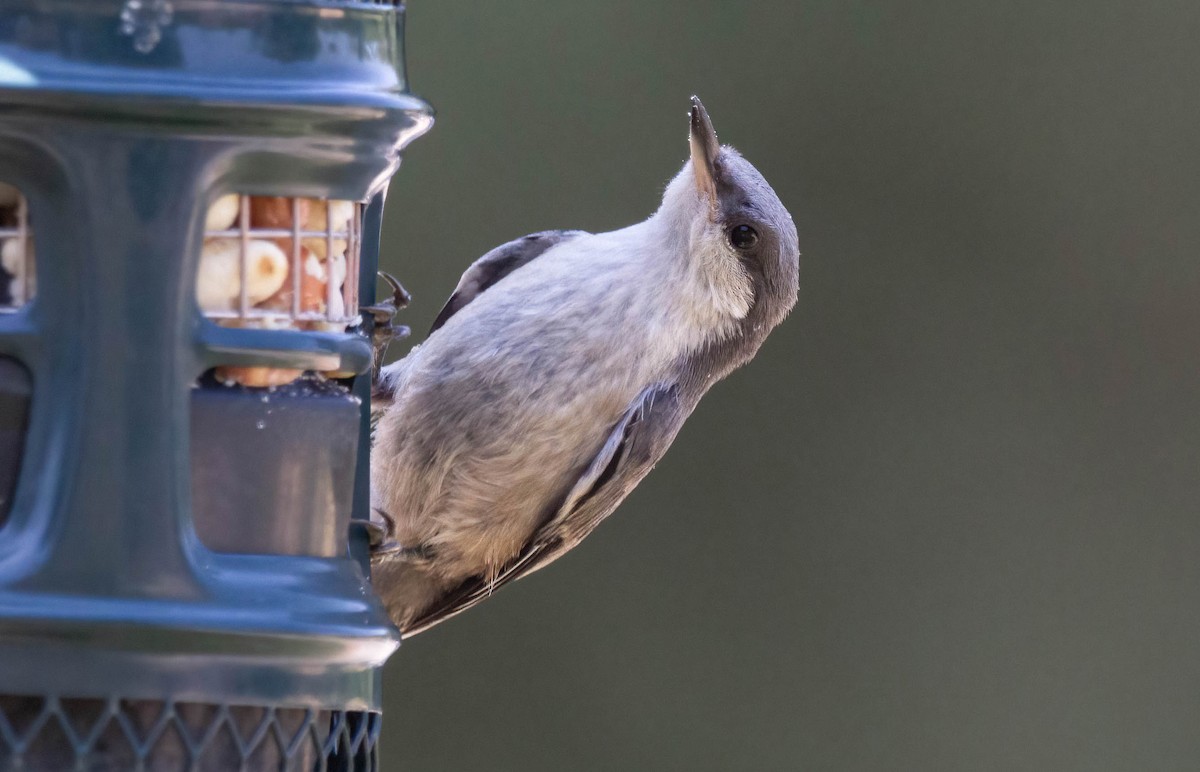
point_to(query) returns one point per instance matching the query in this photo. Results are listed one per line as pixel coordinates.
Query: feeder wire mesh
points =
(311, 246)
(61, 733)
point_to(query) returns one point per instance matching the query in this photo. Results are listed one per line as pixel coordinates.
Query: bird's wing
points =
(482, 274)
(497, 264)
(631, 450)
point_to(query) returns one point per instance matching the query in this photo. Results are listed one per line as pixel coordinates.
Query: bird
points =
(557, 375)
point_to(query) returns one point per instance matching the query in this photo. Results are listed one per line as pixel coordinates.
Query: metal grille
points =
(281, 263)
(52, 733)
(16, 250)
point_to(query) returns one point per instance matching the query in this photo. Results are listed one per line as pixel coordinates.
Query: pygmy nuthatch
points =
(557, 375)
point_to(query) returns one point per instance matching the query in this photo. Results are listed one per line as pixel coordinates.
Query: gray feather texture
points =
(497, 264)
(558, 374)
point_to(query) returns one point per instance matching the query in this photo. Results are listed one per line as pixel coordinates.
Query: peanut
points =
(219, 283)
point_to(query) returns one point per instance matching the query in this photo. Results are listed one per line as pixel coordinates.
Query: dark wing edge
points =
(497, 264)
(632, 449)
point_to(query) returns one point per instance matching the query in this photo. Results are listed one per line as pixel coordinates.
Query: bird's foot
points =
(382, 539)
(384, 314)
(381, 529)
(378, 535)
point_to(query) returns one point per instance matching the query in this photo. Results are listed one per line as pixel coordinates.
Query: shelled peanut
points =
(259, 377)
(270, 285)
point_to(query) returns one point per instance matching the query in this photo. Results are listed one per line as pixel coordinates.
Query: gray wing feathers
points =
(497, 264)
(631, 450)
(482, 275)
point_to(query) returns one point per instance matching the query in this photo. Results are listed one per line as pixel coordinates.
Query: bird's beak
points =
(703, 142)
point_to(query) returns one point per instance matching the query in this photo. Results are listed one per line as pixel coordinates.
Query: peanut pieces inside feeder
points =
(272, 260)
(223, 213)
(257, 377)
(276, 211)
(219, 284)
(313, 288)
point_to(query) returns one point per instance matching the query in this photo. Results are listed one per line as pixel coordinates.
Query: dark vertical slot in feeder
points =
(178, 468)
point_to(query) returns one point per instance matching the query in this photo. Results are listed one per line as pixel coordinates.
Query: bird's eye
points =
(743, 236)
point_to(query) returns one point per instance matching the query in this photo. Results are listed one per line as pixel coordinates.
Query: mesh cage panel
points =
(279, 263)
(53, 733)
(282, 263)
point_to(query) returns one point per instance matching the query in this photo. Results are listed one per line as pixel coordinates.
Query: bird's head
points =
(737, 233)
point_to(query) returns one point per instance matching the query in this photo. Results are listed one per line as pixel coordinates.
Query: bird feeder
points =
(190, 204)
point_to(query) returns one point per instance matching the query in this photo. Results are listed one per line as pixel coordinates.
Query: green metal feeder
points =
(191, 212)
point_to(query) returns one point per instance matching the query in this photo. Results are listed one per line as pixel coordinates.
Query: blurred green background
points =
(947, 519)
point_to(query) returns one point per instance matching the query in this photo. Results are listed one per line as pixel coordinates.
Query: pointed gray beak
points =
(703, 142)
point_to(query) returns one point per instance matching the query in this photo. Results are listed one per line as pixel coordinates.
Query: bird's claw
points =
(381, 538)
(383, 314)
(377, 533)
(400, 299)
(380, 527)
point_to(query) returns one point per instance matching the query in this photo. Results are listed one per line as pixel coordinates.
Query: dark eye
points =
(743, 237)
